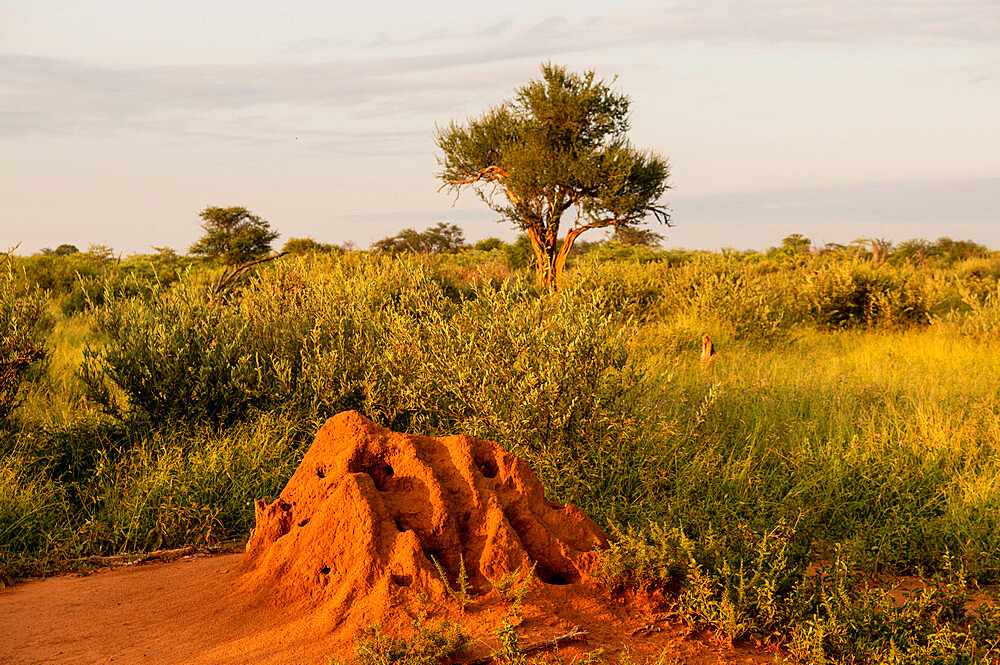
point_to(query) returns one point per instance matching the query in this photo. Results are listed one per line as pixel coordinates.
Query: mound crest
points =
(356, 528)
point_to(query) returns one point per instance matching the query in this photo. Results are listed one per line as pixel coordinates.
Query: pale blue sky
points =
(119, 121)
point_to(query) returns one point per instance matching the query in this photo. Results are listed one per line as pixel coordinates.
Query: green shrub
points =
(982, 318)
(549, 377)
(181, 356)
(735, 581)
(842, 618)
(305, 333)
(23, 326)
(855, 294)
(90, 291)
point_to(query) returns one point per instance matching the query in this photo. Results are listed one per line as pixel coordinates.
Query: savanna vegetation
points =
(845, 433)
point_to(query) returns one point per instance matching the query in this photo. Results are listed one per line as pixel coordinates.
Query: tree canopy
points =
(233, 234)
(559, 146)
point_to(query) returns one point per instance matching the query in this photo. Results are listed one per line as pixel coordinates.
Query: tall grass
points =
(884, 442)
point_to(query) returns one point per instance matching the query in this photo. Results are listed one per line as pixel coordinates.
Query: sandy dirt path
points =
(178, 612)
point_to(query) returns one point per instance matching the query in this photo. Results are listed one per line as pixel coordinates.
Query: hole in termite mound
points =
(556, 578)
(487, 464)
(380, 470)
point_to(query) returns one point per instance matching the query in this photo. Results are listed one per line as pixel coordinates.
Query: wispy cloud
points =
(55, 96)
(40, 95)
(976, 200)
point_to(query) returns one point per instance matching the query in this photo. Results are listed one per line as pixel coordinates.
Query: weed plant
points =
(426, 646)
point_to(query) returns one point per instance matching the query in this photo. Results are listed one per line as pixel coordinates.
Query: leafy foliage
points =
(307, 245)
(636, 236)
(850, 417)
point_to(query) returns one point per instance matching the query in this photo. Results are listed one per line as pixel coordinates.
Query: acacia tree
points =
(233, 234)
(559, 146)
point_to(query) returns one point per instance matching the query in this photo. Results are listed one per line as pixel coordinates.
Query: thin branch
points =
(489, 173)
(227, 278)
(157, 555)
(9, 256)
(574, 635)
(661, 214)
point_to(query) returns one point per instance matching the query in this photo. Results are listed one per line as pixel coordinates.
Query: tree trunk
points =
(544, 268)
(559, 261)
(550, 262)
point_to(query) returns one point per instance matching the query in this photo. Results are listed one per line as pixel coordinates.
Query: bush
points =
(89, 292)
(855, 294)
(426, 646)
(23, 325)
(182, 356)
(306, 334)
(982, 318)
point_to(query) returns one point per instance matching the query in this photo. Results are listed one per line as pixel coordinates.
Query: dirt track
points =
(179, 612)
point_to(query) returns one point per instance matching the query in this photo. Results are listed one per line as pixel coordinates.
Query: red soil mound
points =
(354, 532)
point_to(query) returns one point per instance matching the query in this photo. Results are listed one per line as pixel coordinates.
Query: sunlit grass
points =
(886, 441)
(56, 395)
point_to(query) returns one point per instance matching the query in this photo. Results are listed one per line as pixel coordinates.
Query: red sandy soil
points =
(356, 538)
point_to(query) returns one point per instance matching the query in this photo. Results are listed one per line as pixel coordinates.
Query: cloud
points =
(840, 21)
(422, 72)
(898, 210)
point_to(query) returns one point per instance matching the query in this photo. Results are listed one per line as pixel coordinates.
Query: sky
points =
(120, 121)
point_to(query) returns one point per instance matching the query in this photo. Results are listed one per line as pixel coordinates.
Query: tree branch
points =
(157, 555)
(489, 173)
(661, 214)
(228, 278)
(574, 635)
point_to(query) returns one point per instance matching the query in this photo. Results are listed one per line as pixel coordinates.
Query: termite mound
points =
(371, 515)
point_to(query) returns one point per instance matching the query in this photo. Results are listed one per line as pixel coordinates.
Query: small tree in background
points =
(234, 235)
(441, 238)
(309, 246)
(560, 145)
(794, 244)
(489, 244)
